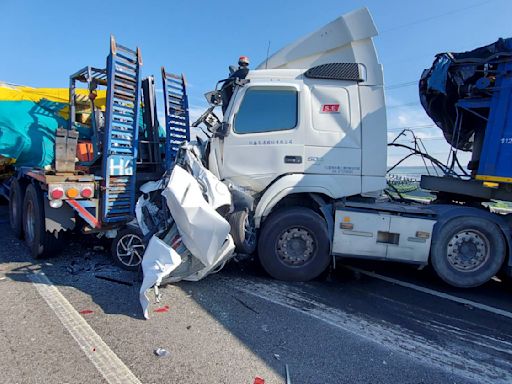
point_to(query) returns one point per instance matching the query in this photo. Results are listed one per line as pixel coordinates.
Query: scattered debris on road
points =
(161, 352)
(86, 312)
(114, 280)
(163, 309)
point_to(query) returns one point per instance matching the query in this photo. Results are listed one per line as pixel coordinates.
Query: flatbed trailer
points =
(94, 181)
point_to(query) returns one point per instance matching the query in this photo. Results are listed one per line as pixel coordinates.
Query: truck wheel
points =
(468, 251)
(16, 196)
(294, 245)
(40, 242)
(243, 232)
(128, 248)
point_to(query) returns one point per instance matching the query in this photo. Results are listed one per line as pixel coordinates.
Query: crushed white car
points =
(190, 239)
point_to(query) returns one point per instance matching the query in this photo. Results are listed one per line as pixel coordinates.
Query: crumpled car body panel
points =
(195, 240)
(454, 77)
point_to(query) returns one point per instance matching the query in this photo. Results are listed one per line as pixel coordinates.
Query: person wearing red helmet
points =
(243, 68)
(227, 87)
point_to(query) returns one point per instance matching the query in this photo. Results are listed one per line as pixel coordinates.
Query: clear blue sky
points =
(45, 41)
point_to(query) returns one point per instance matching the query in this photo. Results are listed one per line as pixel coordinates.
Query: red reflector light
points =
(86, 192)
(57, 193)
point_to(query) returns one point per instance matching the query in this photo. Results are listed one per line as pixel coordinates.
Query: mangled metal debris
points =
(161, 352)
(183, 216)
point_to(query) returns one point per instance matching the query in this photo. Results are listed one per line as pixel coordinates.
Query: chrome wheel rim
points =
(249, 231)
(130, 250)
(468, 250)
(296, 246)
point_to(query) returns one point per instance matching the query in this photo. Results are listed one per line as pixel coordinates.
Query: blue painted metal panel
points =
(120, 141)
(496, 156)
(177, 125)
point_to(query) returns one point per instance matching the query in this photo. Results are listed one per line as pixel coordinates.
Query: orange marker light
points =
(72, 193)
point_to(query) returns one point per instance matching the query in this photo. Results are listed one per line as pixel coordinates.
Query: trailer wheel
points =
(40, 242)
(243, 231)
(16, 197)
(294, 245)
(468, 251)
(128, 248)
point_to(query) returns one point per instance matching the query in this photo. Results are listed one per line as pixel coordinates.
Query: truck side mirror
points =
(213, 98)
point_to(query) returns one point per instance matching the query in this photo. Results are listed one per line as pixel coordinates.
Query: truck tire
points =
(467, 251)
(40, 242)
(16, 197)
(128, 248)
(243, 232)
(294, 245)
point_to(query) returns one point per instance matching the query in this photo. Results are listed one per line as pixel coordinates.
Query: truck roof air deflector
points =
(338, 71)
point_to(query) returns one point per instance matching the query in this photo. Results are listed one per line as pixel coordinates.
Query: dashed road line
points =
(442, 295)
(104, 359)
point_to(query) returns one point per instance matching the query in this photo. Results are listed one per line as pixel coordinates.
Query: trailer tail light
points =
(86, 192)
(57, 193)
(72, 192)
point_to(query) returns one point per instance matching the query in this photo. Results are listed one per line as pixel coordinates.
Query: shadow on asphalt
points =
(84, 264)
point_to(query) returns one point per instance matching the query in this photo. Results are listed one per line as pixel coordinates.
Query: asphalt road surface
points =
(62, 322)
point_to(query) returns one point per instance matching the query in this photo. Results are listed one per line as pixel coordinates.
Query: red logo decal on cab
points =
(330, 108)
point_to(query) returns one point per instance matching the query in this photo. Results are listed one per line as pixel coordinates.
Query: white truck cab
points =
(314, 121)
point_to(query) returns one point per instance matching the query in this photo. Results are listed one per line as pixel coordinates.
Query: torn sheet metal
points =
(194, 240)
(223, 256)
(217, 192)
(151, 186)
(455, 78)
(144, 204)
(159, 261)
(202, 229)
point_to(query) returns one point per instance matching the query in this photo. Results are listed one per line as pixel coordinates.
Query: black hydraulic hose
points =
(441, 166)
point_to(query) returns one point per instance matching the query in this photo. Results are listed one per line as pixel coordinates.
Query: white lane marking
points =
(483, 307)
(463, 357)
(104, 359)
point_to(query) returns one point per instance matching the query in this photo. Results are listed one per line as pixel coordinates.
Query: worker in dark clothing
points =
(228, 86)
(243, 68)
